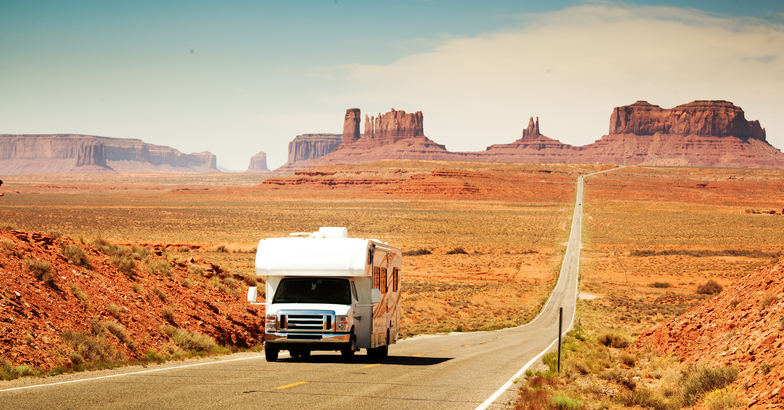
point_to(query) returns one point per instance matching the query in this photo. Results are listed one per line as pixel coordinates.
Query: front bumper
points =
(309, 341)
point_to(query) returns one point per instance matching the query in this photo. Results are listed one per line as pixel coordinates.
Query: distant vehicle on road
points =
(326, 291)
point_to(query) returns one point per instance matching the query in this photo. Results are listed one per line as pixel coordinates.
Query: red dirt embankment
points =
(743, 325)
(192, 294)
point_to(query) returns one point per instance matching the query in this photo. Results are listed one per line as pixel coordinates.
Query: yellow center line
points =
(417, 355)
(444, 349)
(371, 365)
(479, 343)
(290, 385)
(466, 345)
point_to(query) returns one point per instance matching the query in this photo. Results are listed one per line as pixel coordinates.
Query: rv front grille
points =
(307, 321)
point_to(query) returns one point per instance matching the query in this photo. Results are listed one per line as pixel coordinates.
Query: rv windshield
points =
(313, 290)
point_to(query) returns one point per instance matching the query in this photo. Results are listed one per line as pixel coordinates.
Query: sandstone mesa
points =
(63, 153)
(700, 133)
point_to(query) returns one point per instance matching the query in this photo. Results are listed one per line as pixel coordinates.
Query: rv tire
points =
(270, 354)
(348, 352)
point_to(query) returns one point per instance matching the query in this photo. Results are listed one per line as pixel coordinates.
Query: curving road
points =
(455, 371)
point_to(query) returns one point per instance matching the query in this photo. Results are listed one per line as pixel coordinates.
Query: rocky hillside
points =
(64, 303)
(743, 325)
(63, 153)
(697, 134)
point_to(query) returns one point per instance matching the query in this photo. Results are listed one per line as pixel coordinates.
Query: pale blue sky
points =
(236, 78)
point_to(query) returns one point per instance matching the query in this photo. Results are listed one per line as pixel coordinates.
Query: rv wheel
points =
(349, 351)
(270, 354)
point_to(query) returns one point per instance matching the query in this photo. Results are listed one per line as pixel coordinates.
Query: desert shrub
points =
(137, 287)
(117, 330)
(249, 279)
(159, 267)
(765, 368)
(7, 226)
(417, 252)
(186, 282)
(457, 251)
(76, 358)
(643, 398)
(7, 372)
(116, 311)
(41, 269)
(565, 403)
(184, 249)
(189, 340)
(710, 287)
(124, 263)
(533, 396)
(78, 292)
(7, 244)
(628, 359)
(222, 249)
(197, 270)
(699, 380)
(76, 254)
(139, 252)
(722, 399)
(615, 340)
(660, 285)
(229, 281)
(767, 300)
(159, 293)
(92, 347)
(167, 314)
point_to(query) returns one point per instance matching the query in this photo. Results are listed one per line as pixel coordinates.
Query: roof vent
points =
(333, 232)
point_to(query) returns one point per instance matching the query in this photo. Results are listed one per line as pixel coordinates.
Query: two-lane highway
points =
(455, 371)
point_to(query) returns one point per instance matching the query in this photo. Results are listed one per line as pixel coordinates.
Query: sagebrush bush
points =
(614, 340)
(696, 381)
(42, 270)
(124, 263)
(76, 254)
(660, 285)
(77, 292)
(710, 287)
(643, 398)
(197, 270)
(159, 293)
(92, 347)
(189, 340)
(159, 267)
(457, 251)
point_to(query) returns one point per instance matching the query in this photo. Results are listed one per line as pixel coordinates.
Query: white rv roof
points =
(312, 256)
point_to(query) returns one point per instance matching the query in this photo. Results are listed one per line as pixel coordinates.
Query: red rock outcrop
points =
(742, 326)
(701, 118)
(258, 163)
(351, 125)
(388, 128)
(307, 147)
(62, 153)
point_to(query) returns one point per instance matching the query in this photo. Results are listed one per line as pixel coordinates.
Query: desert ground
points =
(483, 242)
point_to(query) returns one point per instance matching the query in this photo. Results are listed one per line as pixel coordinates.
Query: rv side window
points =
(384, 280)
(377, 278)
(354, 291)
(395, 279)
(313, 290)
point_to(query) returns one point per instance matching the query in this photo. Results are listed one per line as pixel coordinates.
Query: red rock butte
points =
(700, 133)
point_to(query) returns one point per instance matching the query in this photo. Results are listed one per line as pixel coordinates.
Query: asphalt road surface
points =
(455, 371)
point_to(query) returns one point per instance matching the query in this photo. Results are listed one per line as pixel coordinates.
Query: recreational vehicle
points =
(326, 291)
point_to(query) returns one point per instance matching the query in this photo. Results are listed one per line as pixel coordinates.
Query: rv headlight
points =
(341, 323)
(271, 323)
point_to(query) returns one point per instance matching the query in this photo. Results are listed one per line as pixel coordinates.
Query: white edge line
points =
(129, 374)
(487, 403)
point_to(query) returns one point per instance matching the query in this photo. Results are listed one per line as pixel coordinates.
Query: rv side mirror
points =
(253, 293)
(375, 296)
